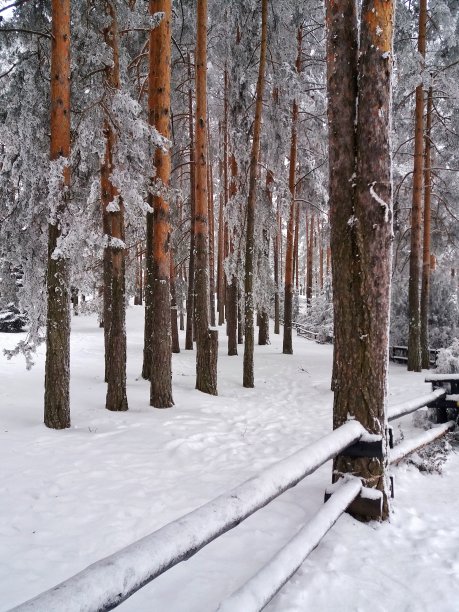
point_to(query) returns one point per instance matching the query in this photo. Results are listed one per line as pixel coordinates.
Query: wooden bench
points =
(450, 383)
(400, 354)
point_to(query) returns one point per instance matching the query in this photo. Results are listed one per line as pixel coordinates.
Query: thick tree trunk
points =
(106, 198)
(414, 328)
(191, 262)
(206, 339)
(361, 250)
(240, 318)
(116, 399)
(147, 356)
(248, 373)
(57, 366)
(287, 347)
(425, 285)
(159, 100)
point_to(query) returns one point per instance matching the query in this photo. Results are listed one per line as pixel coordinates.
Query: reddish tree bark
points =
(57, 366)
(206, 339)
(159, 101)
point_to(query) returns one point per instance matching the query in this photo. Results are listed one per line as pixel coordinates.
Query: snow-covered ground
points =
(69, 498)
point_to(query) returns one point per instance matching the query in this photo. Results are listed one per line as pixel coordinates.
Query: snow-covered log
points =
(399, 410)
(409, 446)
(441, 377)
(108, 582)
(255, 594)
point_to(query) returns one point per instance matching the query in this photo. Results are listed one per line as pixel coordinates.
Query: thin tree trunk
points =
(414, 328)
(310, 261)
(191, 263)
(206, 339)
(425, 285)
(240, 318)
(174, 325)
(296, 271)
(263, 326)
(231, 294)
(116, 398)
(276, 262)
(210, 188)
(248, 373)
(287, 348)
(57, 366)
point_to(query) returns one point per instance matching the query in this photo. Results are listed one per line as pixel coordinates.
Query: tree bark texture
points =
(248, 373)
(116, 398)
(57, 366)
(174, 320)
(277, 239)
(231, 291)
(414, 318)
(361, 220)
(159, 101)
(191, 262)
(287, 347)
(206, 339)
(425, 283)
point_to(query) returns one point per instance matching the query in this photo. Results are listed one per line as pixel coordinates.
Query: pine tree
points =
(57, 368)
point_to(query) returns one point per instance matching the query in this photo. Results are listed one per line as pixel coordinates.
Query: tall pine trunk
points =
(159, 102)
(287, 348)
(361, 190)
(57, 366)
(248, 373)
(425, 284)
(414, 326)
(191, 263)
(206, 339)
(116, 398)
(231, 292)
(270, 181)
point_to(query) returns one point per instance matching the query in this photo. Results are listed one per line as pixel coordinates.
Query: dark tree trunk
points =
(289, 254)
(232, 291)
(414, 328)
(425, 285)
(57, 366)
(191, 263)
(210, 188)
(240, 319)
(159, 100)
(310, 261)
(147, 356)
(206, 339)
(116, 398)
(277, 239)
(248, 373)
(263, 326)
(361, 251)
(174, 323)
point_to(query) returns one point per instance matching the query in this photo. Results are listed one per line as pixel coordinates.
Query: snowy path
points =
(69, 498)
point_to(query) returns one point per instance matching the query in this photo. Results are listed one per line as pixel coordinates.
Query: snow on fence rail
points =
(107, 583)
(255, 594)
(399, 410)
(411, 445)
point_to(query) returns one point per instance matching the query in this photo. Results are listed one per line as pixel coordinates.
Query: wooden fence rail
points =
(107, 583)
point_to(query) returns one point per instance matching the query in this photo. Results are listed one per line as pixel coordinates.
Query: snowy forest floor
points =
(71, 497)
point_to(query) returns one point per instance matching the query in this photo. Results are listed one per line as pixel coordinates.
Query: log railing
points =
(107, 583)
